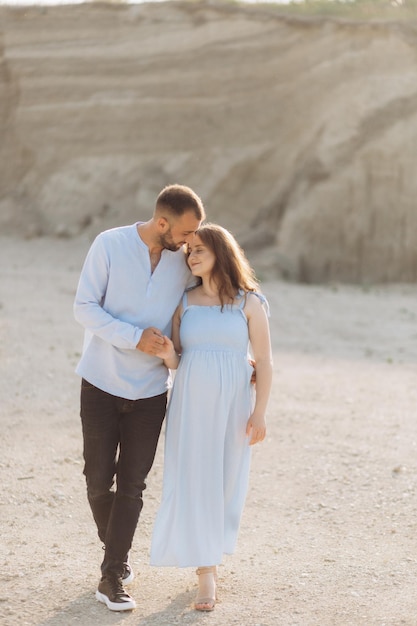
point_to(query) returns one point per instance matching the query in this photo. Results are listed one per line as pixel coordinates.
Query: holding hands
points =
(154, 343)
(166, 349)
(151, 341)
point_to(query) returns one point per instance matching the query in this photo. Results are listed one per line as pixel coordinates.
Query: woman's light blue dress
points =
(207, 453)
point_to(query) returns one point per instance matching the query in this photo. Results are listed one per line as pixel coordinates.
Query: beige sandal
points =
(207, 596)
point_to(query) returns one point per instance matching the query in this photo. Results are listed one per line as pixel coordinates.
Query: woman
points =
(212, 418)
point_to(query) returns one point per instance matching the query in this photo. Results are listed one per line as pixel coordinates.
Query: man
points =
(131, 282)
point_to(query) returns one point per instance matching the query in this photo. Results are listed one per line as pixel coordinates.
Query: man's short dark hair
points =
(179, 199)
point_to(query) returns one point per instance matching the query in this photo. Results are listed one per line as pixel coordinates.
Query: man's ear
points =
(162, 224)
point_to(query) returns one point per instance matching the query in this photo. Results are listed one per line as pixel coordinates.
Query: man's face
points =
(179, 231)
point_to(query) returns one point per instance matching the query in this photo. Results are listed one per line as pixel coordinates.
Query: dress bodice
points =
(214, 328)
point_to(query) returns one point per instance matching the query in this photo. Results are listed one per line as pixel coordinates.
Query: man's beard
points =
(169, 245)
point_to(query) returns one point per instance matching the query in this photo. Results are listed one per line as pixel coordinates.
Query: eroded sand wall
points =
(299, 134)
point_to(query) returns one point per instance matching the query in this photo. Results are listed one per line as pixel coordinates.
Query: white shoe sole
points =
(115, 606)
(129, 579)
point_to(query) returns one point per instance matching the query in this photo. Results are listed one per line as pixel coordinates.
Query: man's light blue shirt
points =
(117, 298)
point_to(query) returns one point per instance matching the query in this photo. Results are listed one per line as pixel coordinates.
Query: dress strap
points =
(263, 300)
(184, 300)
(242, 302)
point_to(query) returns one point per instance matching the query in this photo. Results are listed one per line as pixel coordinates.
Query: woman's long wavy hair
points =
(231, 271)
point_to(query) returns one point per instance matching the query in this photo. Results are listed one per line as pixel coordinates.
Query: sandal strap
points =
(206, 570)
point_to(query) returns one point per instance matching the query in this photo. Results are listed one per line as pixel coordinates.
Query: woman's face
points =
(201, 259)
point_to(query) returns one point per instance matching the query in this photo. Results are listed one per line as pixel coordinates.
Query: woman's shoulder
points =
(255, 300)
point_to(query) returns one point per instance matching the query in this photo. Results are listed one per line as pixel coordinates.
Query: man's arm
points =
(88, 309)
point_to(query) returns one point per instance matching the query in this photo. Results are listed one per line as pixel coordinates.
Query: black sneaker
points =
(110, 591)
(128, 574)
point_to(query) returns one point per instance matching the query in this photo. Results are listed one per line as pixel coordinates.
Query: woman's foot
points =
(206, 597)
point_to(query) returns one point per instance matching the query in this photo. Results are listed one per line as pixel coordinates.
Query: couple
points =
(159, 295)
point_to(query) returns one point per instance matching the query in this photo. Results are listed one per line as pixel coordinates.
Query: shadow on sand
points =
(86, 611)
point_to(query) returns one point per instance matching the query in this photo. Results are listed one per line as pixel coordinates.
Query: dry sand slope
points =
(328, 536)
(299, 133)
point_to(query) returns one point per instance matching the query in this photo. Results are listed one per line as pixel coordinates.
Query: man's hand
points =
(253, 377)
(151, 341)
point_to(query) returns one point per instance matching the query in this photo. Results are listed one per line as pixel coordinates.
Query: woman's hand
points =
(256, 428)
(166, 349)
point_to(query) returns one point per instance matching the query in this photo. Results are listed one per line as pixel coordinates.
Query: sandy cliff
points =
(299, 134)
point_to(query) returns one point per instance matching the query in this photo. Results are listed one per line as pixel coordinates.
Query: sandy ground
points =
(329, 533)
